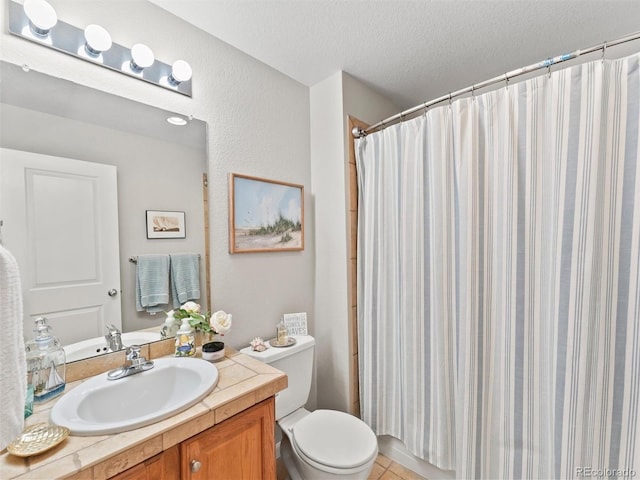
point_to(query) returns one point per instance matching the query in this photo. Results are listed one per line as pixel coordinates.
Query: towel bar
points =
(135, 259)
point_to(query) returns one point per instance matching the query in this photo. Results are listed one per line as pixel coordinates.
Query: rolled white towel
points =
(13, 374)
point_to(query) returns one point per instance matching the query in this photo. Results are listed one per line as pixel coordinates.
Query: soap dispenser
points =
(169, 328)
(185, 340)
(46, 363)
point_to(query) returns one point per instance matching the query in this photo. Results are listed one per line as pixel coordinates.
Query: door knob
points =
(195, 466)
(113, 292)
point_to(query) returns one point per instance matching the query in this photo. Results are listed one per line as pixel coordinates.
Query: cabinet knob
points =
(195, 465)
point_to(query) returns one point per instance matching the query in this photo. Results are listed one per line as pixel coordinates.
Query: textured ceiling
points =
(410, 51)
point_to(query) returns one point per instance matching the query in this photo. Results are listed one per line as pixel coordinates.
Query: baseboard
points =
(395, 450)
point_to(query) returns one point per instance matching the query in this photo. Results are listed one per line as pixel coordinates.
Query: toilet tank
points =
(297, 362)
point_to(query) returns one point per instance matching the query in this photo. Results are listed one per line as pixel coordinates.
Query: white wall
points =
(328, 189)
(258, 124)
(331, 102)
(365, 104)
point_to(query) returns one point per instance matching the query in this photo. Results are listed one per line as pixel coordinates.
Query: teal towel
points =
(185, 277)
(152, 283)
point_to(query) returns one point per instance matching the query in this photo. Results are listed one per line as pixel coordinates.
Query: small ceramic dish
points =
(288, 343)
(37, 439)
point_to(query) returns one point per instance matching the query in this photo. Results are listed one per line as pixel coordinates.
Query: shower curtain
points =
(498, 278)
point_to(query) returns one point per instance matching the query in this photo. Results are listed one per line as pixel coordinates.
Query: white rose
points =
(191, 307)
(221, 321)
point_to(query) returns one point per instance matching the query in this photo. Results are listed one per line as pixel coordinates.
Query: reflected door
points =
(60, 221)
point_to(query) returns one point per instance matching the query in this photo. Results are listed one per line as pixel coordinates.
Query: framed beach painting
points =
(265, 215)
(163, 224)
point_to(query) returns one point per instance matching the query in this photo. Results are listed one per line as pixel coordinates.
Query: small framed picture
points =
(265, 215)
(162, 224)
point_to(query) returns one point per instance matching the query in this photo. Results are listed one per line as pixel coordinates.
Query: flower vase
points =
(204, 337)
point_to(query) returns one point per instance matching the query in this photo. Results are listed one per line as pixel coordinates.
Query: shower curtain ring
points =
(506, 81)
(473, 92)
(604, 51)
(449, 99)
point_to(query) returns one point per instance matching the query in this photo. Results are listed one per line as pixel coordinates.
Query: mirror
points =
(159, 167)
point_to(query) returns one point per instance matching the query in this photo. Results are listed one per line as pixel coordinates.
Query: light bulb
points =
(141, 57)
(97, 40)
(42, 16)
(180, 72)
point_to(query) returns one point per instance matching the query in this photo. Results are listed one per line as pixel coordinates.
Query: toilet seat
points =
(332, 440)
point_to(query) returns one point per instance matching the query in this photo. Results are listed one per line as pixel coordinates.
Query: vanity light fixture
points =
(42, 16)
(97, 40)
(141, 57)
(179, 121)
(180, 72)
(37, 21)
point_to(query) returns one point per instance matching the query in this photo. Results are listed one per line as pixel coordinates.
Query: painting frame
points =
(165, 224)
(272, 218)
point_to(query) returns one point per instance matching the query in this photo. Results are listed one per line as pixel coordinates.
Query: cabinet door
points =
(240, 448)
(164, 466)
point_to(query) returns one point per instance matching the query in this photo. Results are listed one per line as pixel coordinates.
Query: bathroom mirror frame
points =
(29, 92)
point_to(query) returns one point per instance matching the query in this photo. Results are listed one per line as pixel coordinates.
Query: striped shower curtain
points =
(499, 278)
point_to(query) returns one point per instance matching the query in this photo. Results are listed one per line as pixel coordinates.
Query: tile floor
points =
(383, 469)
(386, 469)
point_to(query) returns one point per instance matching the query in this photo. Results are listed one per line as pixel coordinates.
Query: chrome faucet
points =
(135, 363)
(114, 338)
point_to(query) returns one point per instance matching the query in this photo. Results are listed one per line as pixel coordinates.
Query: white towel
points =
(185, 277)
(152, 283)
(13, 374)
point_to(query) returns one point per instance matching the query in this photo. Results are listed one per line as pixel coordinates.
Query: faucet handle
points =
(133, 352)
(113, 338)
(112, 329)
(135, 363)
(133, 356)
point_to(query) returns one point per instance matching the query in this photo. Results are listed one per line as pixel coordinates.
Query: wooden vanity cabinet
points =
(242, 447)
(239, 448)
(164, 466)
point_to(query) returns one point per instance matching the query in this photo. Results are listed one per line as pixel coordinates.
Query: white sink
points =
(98, 345)
(99, 406)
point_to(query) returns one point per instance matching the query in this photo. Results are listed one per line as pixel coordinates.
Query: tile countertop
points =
(243, 382)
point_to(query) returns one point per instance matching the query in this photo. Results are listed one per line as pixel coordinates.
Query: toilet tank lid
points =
(272, 354)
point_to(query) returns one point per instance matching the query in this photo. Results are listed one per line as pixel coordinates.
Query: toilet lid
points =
(335, 439)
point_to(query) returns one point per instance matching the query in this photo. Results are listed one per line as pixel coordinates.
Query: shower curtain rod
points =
(359, 132)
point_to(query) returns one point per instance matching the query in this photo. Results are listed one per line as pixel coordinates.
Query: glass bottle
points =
(282, 336)
(46, 362)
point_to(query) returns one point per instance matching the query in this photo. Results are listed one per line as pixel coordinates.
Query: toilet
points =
(323, 444)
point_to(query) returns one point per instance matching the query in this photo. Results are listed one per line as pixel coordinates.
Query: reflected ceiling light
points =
(179, 121)
(42, 17)
(180, 72)
(141, 57)
(97, 40)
